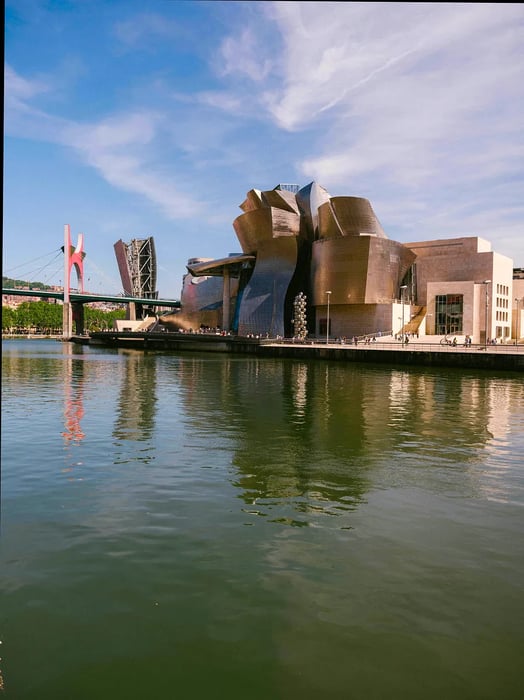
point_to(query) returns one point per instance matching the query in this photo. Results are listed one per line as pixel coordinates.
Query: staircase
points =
(147, 324)
(413, 325)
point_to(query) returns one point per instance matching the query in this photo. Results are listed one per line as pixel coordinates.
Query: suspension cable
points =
(12, 269)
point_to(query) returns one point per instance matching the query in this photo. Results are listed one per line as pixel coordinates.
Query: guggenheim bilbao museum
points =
(333, 254)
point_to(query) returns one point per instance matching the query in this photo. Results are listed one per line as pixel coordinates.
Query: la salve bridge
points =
(74, 300)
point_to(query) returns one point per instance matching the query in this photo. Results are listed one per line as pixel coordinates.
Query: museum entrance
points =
(449, 313)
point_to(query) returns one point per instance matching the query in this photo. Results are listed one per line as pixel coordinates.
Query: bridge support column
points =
(78, 318)
(226, 301)
(131, 311)
(67, 320)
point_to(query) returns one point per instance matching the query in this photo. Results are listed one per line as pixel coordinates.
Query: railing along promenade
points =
(386, 350)
(381, 351)
(417, 345)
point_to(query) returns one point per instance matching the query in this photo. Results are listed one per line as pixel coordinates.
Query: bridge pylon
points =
(73, 257)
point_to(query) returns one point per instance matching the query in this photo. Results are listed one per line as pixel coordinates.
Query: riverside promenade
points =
(426, 351)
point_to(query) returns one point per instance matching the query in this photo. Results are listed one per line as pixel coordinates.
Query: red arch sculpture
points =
(74, 257)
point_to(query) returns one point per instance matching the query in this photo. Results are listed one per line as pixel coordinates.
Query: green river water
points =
(204, 526)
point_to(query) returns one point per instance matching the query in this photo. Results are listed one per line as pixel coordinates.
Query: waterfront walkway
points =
(384, 350)
(428, 343)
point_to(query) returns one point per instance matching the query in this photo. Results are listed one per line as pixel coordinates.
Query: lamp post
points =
(404, 286)
(486, 282)
(327, 327)
(517, 323)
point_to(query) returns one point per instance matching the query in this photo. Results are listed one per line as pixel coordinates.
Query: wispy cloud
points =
(18, 90)
(415, 105)
(417, 96)
(243, 54)
(121, 147)
(395, 88)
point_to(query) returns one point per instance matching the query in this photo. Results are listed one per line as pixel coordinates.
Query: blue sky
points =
(131, 119)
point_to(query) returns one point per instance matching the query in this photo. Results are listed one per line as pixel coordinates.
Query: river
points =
(210, 526)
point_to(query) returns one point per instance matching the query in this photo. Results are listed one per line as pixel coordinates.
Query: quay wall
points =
(502, 359)
(422, 358)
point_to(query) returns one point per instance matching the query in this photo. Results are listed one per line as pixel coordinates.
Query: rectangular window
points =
(449, 313)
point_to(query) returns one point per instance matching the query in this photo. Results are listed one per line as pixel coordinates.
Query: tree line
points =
(11, 283)
(46, 318)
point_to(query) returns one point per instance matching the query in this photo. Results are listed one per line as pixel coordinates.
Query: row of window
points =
(503, 303)
(502, 289)
(449, 313)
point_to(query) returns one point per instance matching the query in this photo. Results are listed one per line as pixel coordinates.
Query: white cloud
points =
(332, 50)
(121, 148)
(412, 103)
(415, 105)
(241, 54)
(17, 89)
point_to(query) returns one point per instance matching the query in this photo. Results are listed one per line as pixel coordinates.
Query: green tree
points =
(48, 317)
(24, 316)
(8, 318)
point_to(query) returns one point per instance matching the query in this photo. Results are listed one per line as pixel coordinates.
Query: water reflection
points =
(312, 439)
(298, 447)
(302, 440)
(136, 408)
(73, 395)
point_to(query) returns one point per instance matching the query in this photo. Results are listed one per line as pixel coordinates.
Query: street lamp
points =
(486, 282)
(327, 327)
(517, 324)
(404, 286)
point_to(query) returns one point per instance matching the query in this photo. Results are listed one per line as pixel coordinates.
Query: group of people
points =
(405, 336)
(355, 340)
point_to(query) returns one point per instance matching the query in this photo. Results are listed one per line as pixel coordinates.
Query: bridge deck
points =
(85, 298)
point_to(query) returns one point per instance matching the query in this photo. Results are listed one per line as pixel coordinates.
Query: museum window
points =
(449, 313)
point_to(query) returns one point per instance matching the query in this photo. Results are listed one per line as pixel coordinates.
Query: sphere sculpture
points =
(299, 316)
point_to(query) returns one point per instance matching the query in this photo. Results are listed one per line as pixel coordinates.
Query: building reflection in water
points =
(292, 443)
(73, 394)
(312, 438)
(136, 409)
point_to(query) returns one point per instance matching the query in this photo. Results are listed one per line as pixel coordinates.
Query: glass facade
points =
(449, 313)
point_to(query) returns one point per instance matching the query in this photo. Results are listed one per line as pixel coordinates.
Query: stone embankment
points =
(383, 351)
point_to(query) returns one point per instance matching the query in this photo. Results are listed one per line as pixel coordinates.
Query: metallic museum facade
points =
(334, 252)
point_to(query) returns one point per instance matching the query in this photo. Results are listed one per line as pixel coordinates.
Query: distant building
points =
(137, 266)
(518, 303)
(334, 251)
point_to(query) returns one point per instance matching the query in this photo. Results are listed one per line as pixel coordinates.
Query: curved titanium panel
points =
(252, 201)
(327, 224)
(309, 199)
(263, 224)
(358, 270)
(272, 234)
(281, 199)
(354, 216)
(249, 226)
(262, 304)
(201, 293)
